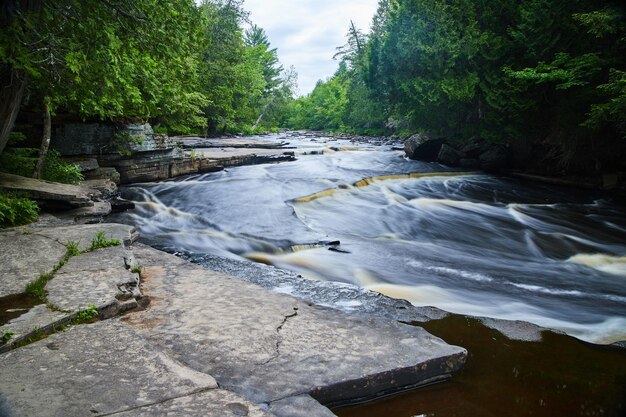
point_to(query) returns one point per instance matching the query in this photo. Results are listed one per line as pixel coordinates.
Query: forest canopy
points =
(176, 64)
(549, 71)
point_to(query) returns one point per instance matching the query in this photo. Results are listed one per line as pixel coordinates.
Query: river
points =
(465, 242)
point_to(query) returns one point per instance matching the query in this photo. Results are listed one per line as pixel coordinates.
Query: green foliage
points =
(176, 64)
(15, 211)
(15, 138)
(100, 241)
(38, 287)
(5, 336)
(123, 140)
(72, 249)
(88, 315)
(136, 269)
(549, 71)
(21, 161)
(613, 110)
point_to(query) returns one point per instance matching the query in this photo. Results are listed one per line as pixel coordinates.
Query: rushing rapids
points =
(468, 243)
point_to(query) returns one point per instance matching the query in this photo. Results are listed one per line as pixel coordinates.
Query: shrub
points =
(21, 161)
(15, 211)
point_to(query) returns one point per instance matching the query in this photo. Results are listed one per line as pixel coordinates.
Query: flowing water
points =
(468, 243)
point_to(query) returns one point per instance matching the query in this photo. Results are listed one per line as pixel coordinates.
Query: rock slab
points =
(267, 346)
(96, 369)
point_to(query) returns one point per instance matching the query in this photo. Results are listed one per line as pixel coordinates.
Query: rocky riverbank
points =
(125, 329)
(520, 160)
(204, 343)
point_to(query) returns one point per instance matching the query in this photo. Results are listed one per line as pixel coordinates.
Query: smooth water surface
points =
(468, 243)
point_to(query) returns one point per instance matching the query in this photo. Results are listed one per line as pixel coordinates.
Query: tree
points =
(131, 59)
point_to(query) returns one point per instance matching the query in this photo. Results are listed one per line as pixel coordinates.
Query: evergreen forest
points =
(182, 66)
(547, 72)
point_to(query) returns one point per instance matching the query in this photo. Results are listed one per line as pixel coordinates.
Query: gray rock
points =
(105, 186)
(473, 148)
(97, 278)
(93, 214)
(349, 298)
(299, 406)
(24, 257)
(516, 330)
(39, 318)
(469, 163)
(109, 173)
(84, 234)
(272, 346)
(74, 139)
(82, 138)
(119, 205)
(449, 156)
(496, 158)
(96, 369)
(423, 147)
(84, 164)
(213, 403)
(51, 193)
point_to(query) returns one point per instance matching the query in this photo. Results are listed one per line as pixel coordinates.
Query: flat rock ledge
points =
(101, 278)
(270, 347)
(206, 345)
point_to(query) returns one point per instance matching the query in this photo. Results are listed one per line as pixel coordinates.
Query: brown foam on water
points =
(370, 180)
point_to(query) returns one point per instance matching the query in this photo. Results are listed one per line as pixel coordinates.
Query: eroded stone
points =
(299, 406)
(268, 346)
(97, 278)
(24, 257)
(213, 403)
(93, 369)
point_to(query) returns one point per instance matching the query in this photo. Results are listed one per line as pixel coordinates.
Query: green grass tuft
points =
(89, 315)
(100, 242)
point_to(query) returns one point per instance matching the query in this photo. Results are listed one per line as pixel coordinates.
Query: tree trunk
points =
(11, 93)
(45, 142)
(262, 114)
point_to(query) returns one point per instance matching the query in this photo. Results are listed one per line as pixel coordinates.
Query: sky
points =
(306, 32)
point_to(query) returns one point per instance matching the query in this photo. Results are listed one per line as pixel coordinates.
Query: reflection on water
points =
(465, 242)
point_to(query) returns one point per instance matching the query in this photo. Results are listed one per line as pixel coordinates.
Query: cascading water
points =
(468, 243)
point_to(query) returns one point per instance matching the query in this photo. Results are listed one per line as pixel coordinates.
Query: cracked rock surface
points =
(269, 346)
(207, 344)
(101, 369)
(24, 257)
(101, 278)
(94, 278)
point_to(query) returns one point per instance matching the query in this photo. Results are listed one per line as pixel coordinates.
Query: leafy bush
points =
(21, 161)
(16, 211)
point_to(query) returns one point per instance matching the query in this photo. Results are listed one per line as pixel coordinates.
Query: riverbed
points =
(359, 212)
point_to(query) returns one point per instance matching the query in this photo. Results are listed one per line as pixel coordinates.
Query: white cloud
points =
(306, 32)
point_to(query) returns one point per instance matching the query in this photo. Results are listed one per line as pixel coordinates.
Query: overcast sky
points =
(306, 32)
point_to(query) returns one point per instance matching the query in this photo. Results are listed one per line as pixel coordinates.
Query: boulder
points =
(469, 163)
(449, 156)
(473, 148)
(109, 173)
(423, 147)
(496, 158)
